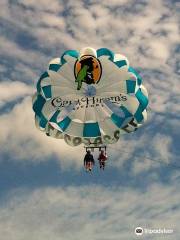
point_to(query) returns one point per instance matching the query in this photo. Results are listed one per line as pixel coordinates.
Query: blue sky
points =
(44, 192)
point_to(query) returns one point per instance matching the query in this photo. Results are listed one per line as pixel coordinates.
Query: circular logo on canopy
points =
(87, 69)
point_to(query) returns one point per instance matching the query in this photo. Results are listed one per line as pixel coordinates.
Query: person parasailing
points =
(89, 161)
(102, 159)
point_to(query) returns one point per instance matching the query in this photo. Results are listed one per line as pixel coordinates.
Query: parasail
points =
(90, 97)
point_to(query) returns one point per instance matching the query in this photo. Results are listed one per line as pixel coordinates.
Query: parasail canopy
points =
(90, 97)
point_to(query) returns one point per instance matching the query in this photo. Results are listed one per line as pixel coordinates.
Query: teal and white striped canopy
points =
(90, 97)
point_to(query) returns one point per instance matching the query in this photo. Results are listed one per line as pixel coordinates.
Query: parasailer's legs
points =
(102, 164)
(88, 166)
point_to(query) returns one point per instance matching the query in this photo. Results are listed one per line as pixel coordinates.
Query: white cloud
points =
(20, 137)
(42, 5)
(21, 59)
(97, 25)
(10, 91)
(92, 212)
(162, 144)
(142, 165)
(146, 33)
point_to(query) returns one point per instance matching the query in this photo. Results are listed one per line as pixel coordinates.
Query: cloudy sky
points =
(44, 192)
